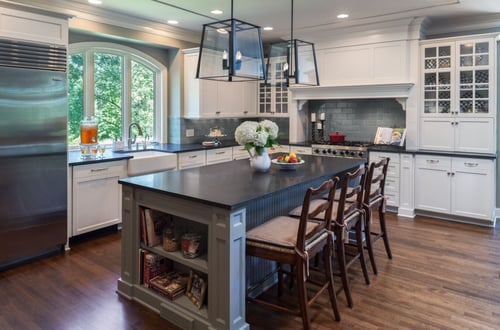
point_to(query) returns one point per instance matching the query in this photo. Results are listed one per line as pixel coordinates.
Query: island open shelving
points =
(227, 199)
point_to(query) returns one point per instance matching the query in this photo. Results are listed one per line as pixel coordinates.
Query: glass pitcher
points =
(88, 130)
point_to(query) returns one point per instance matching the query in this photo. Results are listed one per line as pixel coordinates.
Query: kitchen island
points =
(225, 200)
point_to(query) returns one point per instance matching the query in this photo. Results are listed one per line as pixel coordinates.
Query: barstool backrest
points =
(375, 181)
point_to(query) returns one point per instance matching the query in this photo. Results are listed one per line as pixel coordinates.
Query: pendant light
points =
(231, 50)
(293, 61)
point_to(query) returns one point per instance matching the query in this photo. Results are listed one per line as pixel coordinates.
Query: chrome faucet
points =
(131, 141)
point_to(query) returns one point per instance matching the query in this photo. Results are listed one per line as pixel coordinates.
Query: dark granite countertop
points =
(232, 184)
(74, 158)
(397, 149)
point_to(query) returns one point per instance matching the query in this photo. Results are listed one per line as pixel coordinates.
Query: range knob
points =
(334, 152)
(342, 153)
(352, 153)
(324, 151)
(360, 154)
(329, 151)
(316, 151)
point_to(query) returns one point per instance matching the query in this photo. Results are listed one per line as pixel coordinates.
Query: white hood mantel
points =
(398, 91)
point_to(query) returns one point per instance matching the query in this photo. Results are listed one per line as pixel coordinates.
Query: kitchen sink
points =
(150, 161)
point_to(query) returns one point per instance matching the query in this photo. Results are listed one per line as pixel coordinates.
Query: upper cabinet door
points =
(438, 78)
(475, 73)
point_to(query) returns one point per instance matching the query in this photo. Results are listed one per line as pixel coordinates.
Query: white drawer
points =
(102, 169)
(472, 165)
(279, 149)
(429, 161)
(215, 156)
(191, 159)
(375, 156)
(240, 153)
(301, 150)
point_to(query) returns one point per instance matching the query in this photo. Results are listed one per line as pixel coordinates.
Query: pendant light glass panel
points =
(297, 61)
(231, 50)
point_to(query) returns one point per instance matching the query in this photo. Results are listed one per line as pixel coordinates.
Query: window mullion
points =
(88, 81)
(127, 94)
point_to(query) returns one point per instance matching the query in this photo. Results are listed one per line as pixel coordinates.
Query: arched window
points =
(118, 85)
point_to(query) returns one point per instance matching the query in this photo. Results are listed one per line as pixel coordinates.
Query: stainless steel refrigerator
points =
(33, 150)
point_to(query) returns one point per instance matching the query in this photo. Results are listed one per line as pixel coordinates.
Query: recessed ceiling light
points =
(222, 31)
(173, 22)
(342, 15)
(95, 2)
(217, 12)
(268, 28)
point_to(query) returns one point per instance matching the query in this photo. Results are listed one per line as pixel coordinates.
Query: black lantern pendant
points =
(231, 50)
(293, 60)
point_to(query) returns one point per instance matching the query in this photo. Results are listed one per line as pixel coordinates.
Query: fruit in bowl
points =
(289, 158)
(288, 161)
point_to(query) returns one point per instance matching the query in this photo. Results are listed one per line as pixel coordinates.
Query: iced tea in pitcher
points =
(88, 131)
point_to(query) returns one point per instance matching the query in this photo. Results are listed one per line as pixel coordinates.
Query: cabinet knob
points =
(217, 112)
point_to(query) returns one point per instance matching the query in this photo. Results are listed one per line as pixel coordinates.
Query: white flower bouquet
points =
(257, 135)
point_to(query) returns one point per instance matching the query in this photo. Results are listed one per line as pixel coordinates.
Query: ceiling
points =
(308, 14)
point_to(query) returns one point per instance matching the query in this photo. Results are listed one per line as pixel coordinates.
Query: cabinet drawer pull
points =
(220, 153)
(192, 156)
(432, 161)
(217, 112)
(470, 164)
(99, 169)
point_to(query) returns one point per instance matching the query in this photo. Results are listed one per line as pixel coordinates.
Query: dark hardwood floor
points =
(443, 275)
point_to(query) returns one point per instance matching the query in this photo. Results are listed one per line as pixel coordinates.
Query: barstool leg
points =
(327, 256)
(368, 238)
(383, 228)
(361, 250)
(302, 291)
(342, 266)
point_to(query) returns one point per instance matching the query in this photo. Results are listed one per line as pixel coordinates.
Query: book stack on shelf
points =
(153, 265)
(171, 285)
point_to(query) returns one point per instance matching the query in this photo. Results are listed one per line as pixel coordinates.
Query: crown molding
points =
(76, 10)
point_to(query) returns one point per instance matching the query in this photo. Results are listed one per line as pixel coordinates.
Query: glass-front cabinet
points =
(273, 97)
(458, 96)
(438, 78)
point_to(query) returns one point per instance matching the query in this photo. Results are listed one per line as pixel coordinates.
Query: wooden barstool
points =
(294, 242)
(374, 199)
(348, 214)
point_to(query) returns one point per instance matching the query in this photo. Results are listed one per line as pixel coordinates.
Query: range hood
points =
(367, 91)
(398, 91)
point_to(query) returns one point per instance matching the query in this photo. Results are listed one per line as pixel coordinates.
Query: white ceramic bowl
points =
(287, 166)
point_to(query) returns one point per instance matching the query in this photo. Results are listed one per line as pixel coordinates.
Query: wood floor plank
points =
(443, 275)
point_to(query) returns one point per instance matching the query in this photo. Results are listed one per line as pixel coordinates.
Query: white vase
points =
(261, 163)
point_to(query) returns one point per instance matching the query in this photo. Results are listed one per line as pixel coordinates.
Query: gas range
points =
(348, 149)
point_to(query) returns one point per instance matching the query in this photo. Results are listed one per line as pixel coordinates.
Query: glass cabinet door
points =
(438, 79)
(474, 70)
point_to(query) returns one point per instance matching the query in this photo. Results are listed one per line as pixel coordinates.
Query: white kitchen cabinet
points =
(392, 181)
(96, 196)
(216, 99)
(458, 95)
(370, 63)
(28, 26)
(219, 155)
(191, 159)
(458, 186)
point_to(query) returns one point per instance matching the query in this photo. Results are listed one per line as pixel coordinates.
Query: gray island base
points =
(223, 201)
